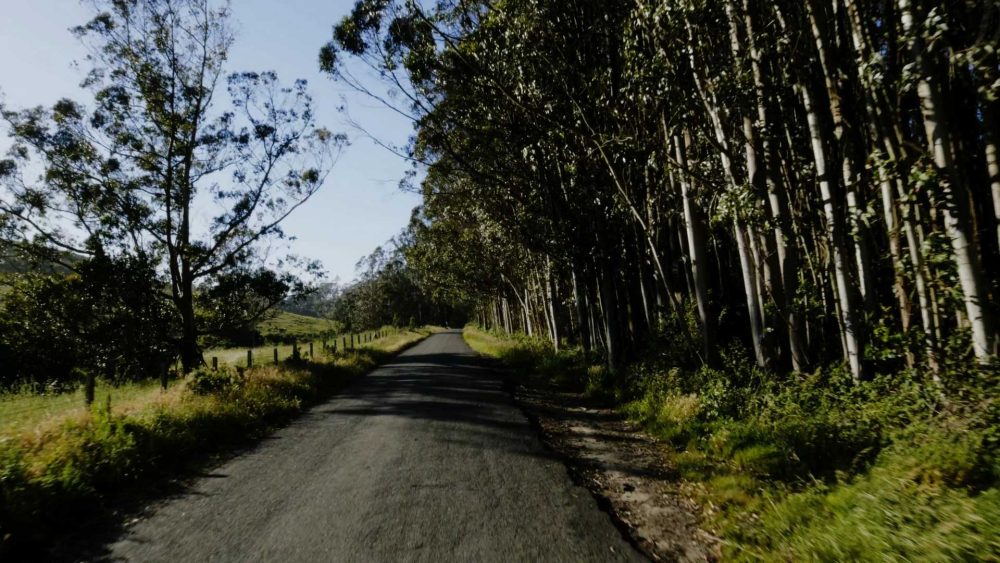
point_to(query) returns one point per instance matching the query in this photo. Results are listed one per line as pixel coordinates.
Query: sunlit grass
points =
(806, 474)
(292, 325)
(31, 412)
(263, 355)
(58, 459)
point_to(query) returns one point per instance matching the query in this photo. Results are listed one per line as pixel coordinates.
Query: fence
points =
(306, 349)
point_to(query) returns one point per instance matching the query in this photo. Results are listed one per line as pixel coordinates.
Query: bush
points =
(226, 380)
(108, 318)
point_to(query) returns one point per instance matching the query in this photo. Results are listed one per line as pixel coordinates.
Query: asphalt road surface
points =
(425, 459)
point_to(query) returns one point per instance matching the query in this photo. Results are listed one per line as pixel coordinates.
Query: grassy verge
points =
(237, 356)
(68, 468)
(33, 413)
(809, 467)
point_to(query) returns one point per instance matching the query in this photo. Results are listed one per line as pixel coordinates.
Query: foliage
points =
(224, 381)
(594, 168)
(129, 173)
(108, 318)
(814, 467)
(388, 293)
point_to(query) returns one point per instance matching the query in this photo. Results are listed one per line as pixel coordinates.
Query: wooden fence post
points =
(275, 355)
(215, 363)
(310, 350)
(89, 389)
(249, 359)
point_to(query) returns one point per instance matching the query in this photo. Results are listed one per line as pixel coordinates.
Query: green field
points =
(291, 325)
(237, 356)
(30, 412)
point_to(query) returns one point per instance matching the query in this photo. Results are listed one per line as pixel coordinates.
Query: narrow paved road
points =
(426, 459)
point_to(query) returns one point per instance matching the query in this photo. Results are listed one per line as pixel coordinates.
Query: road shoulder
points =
(625, 469)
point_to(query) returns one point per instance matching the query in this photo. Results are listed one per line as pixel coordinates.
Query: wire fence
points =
(20, 410)
(305, 349)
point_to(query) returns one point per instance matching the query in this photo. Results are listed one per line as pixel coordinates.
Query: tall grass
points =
(31, 412)
(67, 468)
(811, 467)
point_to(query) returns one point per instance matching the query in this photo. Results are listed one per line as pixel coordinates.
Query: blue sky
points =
(359, 207)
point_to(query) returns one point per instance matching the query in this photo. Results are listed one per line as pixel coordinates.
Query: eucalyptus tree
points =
(604, 167)
(170, 136)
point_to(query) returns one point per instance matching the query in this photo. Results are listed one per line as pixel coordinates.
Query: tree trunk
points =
(853, 351)
(697, 250)
(957, 209)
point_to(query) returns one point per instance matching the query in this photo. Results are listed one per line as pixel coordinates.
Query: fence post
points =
(249, 359)
(215, 363)
(310, 350)
(163, 375)
(275, 355)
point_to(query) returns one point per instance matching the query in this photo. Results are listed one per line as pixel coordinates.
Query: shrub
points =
(225, 380)
(108, 318)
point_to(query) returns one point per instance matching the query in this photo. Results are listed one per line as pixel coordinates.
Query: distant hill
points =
(18, 265)
(288, 325)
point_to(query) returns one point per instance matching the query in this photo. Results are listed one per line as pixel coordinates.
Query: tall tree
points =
(163, 143)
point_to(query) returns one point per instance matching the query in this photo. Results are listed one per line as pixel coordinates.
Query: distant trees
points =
(818, 178)
(315, 303)
(388, 292)
(134, 175)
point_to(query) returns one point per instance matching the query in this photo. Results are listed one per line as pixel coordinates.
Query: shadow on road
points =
(463, 395)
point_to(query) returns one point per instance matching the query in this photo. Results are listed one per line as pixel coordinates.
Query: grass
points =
(22, 413)
(71, 464)
(237, 356)
(809, 467)
(284, 326)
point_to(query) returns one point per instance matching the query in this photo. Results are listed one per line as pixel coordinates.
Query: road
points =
(425, 459)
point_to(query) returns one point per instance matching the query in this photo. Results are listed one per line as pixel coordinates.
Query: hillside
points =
(287, 325)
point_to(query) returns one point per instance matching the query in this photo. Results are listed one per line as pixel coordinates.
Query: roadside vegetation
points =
(765, 230)
(75, 464)
(802, 468)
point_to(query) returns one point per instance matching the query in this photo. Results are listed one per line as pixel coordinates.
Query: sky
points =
(359, 208)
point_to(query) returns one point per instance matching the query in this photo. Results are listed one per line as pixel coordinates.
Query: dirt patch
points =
(626, 469)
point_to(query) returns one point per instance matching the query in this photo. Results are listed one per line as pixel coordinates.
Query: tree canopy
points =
(170, 133)
(817, 179)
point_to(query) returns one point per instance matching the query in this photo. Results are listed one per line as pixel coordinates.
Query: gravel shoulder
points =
(626, 469)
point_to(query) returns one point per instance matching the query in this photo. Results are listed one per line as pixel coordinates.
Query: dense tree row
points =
(819, 178)
(389, 292)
